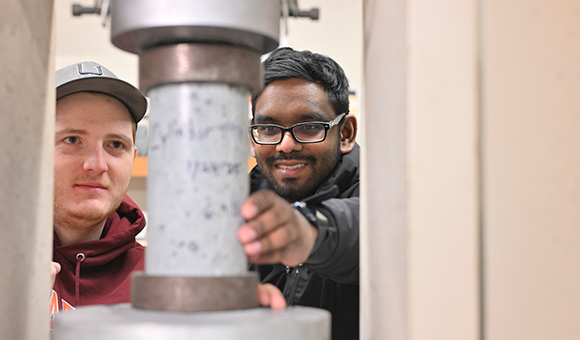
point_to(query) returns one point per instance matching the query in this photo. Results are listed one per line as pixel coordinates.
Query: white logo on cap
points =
(98, 71)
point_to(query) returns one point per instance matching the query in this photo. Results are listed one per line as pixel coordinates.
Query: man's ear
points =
(252, 143)
(252, 147)
(348, 132)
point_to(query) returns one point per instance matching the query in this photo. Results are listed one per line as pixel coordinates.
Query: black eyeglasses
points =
(308, 132)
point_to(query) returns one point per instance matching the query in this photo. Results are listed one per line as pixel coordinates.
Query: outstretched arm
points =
(275, 232)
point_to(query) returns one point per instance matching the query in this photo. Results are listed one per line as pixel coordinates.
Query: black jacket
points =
(329, 279)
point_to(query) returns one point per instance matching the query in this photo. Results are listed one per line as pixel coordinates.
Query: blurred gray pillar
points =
(26, 167)
(384, 210)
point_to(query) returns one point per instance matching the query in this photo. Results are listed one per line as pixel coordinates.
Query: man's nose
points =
(96, 161)
(288, 143)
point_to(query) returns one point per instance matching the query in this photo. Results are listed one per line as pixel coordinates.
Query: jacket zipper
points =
(294, 280)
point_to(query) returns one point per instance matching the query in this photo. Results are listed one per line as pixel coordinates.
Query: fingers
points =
(270, 296)
(264, 212)
(257, 202)
(275, 232)
(54, 270)
(270, 232)
(274, 247)
(265, 223)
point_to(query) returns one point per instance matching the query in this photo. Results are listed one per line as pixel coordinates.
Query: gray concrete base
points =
(125, 322)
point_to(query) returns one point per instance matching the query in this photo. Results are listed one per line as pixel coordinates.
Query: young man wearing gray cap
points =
(95, 222)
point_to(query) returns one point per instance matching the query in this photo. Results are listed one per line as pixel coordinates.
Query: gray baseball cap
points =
(88, 76)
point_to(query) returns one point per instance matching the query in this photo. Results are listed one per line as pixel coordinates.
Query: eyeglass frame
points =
(327, 126)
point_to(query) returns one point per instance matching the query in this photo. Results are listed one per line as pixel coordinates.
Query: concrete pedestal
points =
(127, 323)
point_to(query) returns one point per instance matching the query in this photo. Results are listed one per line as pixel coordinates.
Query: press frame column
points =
(26, 167)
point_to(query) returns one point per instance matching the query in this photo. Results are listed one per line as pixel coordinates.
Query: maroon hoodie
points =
(104, 275)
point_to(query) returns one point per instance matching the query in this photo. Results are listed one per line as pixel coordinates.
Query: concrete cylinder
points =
(197, 179)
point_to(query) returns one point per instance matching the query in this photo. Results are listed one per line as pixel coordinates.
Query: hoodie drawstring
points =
(80, 258)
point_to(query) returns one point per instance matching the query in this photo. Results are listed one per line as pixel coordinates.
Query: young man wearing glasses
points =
(303, 233)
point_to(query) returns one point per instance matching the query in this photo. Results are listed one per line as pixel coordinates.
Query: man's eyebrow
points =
(318, 116)
(84, 133)
(120, 136)
(258, 119)
(311, 116)
(70, 130)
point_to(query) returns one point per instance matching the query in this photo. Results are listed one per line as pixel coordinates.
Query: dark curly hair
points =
(285, 63)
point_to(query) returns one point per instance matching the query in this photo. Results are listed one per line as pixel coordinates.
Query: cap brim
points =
(125, 92)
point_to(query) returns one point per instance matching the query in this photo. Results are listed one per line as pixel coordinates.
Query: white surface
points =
(420, 184)
(531, 173)
(127, 323)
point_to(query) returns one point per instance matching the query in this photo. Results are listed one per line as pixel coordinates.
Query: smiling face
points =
(292, 169)
(93, 157)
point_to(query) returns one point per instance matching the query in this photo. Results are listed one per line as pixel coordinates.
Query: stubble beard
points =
(81, 219)
(289, 189)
